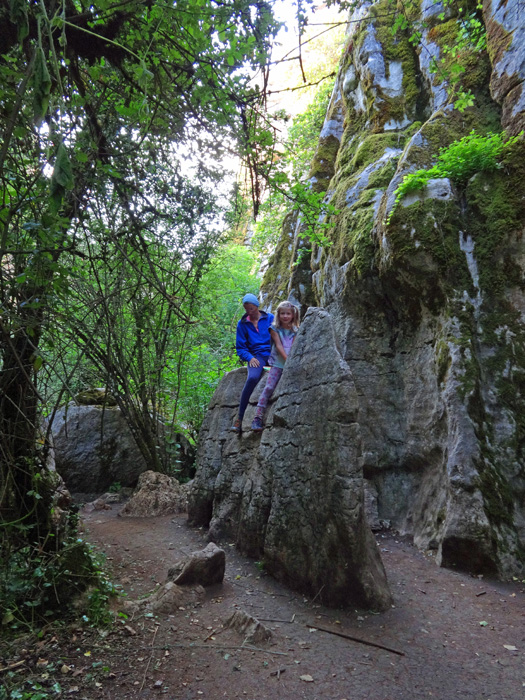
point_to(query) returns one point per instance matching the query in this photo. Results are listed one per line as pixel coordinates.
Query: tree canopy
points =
(116, 118)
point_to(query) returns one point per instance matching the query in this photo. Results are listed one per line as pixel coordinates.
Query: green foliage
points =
(101, 261)
(32, 590)
(41, 86)
(288, 186)
(303, 134)
(469, 38)
(211, 341)
(459, 162)
(99, 595)
(61, 179)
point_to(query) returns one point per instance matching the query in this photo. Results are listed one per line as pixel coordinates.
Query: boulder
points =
(205, 567)
(167, 599)
(294, 496)
(94, 449)
(253, 631)
(156, 494)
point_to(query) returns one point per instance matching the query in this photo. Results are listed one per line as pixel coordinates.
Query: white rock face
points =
(508, 76)
(438, 188)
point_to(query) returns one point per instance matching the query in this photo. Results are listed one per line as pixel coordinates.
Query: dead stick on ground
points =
(215, 631)
(356, 639)
(274, 619)
(317, 594)
(12, 666)
(150, 657)
(244, 647)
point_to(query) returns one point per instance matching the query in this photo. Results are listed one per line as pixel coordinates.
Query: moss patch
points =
(497, 210)
(498, 40)
(372, 147)
(396, 48)
(325, 157)
(498, 502)
(425, 237)
(275, 280)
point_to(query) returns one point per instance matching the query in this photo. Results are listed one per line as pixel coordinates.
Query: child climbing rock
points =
(283, 332)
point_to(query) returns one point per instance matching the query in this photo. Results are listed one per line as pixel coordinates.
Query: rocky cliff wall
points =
(428, 300)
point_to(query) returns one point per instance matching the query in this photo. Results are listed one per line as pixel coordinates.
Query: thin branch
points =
(357, 639)
(303, 87)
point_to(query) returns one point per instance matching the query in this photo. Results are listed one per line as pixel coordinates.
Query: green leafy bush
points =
(38, 585)
(458, 162)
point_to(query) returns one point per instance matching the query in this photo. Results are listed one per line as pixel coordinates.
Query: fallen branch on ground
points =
(12, 666)
(243, 647)
(150, 657)
(275, 619)
(357, 639)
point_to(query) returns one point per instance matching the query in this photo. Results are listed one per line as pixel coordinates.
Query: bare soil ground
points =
(448, 635)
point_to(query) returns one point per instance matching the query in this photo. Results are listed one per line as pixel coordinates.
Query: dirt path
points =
(461, 637)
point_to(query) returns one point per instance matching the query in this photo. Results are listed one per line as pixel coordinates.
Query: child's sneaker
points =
(237, 426)
(257, 425)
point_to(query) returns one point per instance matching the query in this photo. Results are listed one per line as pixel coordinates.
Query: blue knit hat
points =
(250, 299)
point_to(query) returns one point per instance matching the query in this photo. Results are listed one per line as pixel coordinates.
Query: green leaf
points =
(61, 179)
(7, 618)
(41, 86)
(18, 16)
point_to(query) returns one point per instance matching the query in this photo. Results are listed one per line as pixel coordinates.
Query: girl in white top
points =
(283, 332)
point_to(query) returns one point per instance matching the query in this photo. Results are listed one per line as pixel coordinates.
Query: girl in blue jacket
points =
(253, 344)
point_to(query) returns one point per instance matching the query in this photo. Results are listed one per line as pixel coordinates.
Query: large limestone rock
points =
(156, 494)
(94, 449)
(205, 567)
(294, 496)
(427, 296)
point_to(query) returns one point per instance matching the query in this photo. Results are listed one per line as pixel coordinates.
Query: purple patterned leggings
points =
(273, 379)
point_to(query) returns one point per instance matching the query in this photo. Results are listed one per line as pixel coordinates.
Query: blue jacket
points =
(251, 342)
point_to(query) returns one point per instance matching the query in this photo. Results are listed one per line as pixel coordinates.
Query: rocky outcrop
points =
(205, 567)
(253, 631)
(94, 449)
(506, 46)
(294, 496)
(156, 494)
(427, 296)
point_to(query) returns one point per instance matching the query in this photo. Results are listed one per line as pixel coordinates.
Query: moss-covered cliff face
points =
(428, 297)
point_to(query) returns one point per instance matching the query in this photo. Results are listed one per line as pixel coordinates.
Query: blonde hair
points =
(295, 317)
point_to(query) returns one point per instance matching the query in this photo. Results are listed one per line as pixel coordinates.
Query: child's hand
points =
(254, 362)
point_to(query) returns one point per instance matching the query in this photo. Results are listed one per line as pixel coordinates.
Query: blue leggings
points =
(254, 374)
